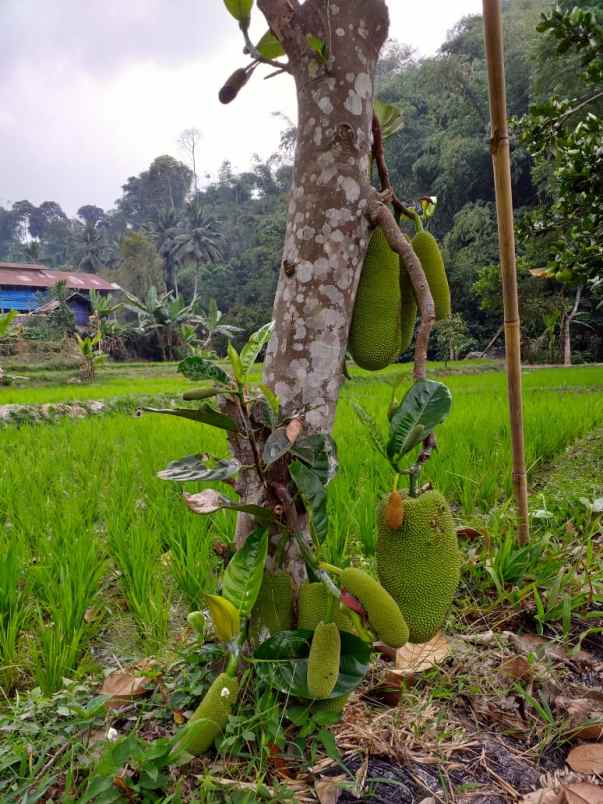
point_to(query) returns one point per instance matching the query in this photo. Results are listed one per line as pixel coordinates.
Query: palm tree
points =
(164, 233)
(198, 243)
(91, 248)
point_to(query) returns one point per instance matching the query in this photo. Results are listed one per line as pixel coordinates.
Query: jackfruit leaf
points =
(314, 496)
(389, 117)
(319, 452)
(224, 616)
(371, 426)
(272, 400)
(269, 46)
(425, 406)
(253, 347)
(198, 368)
(200, 467)
(204, 415)
(240, 9)
(245, 571)
(319, 47)
(235, 362)
(200, 393)
(282, 662)
(428, 205)
(209, 501)
(263, 413)
(277, 444)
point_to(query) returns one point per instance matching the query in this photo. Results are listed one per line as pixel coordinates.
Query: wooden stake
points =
(499, 147)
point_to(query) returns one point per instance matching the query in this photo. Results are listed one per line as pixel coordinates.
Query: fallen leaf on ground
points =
(581, 712)
(587, 758)
(469, 533)
(517, 667)
(123, 686)
(544, 796)
(531, 643)
(327, 791)
(412, 659)
(583, 793)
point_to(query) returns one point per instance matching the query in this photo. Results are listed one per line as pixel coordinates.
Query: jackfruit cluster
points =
(375, 332)
(419, 562)
(313, 603)
(383, 613)
(273, 610)
(323, 661)
(427, 250)
(209, 719)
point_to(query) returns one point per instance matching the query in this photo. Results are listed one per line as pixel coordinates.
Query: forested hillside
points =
(226, 239)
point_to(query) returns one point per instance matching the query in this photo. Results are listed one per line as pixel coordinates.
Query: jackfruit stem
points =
(413, 479)
(312, 562)
(396, 481)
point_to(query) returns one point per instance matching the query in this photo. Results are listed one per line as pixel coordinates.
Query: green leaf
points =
(240, 9)
(5, 321)
(201, 393)
(319, 452)
(235, 362)
(277, 444)
(200, 467)
(204, 415)
(198, 368)
(389, 117)
(319, 47)
(282, 662)
(425, 406)
(244, 574)
(209, 501)
(255, 344)
(372, 427)
(272, 399)
(314, 496)
(269, 46)
(224, 615)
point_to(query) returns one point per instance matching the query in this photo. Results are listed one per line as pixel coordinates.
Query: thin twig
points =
(257, 56)
(381, 216)
(383, 170)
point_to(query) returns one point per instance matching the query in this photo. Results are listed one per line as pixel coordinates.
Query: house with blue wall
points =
(25, 287)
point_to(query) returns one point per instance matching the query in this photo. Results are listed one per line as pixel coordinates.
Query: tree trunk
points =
(328, 225)
(566, 324)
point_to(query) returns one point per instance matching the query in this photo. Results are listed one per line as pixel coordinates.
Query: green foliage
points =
(425, 405)
(273, 610)
(244, 574)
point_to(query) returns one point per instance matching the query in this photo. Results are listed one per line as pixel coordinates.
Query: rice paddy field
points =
(98, 556)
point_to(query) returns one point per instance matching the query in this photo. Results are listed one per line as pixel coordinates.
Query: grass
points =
(87, 526)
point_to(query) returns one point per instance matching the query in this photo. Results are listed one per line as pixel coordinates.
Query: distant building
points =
(24, 286)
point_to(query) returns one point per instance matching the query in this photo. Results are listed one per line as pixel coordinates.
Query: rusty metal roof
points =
(23, 274)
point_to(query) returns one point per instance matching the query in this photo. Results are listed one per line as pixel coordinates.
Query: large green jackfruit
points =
(382, 610)
(323, 661)
(312, 605)
(375, 330)
(273, 609)
(408, 309)
(429, 254)
(210, 717)
(419, 563)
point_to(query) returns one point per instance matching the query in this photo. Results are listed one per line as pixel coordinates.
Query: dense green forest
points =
(224, 241)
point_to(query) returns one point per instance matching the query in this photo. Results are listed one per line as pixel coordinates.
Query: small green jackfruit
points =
(313, 602)
(383, 613)
(429, 254)
(210, 717)
(375, 330)
(408, 309)
(323, 661)
(419, 563)
(273, 608)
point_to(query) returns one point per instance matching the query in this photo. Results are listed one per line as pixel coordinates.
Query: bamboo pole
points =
(499, 147)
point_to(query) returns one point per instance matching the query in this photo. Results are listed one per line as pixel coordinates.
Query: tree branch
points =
(283, 18)
(380, 215)
(383, 170)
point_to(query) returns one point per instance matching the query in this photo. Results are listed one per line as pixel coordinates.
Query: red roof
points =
(25, 274)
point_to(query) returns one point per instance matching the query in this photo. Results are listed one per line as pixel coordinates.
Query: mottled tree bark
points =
(327, 225)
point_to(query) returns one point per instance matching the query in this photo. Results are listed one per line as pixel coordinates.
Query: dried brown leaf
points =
(581, 712)
(470, 533)
(293, 430)
(531, 643)
(327, 791)
(205, 502)
(587, 758)
(583, 793)
(517, 667)
(544, 796)
(411, 659)
(123, 686)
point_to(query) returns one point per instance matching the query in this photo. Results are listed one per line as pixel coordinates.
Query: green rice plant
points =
(13, 612)
(192, 563)
(55, 655)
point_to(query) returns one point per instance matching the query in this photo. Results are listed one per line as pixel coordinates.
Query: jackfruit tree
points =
(350, 280)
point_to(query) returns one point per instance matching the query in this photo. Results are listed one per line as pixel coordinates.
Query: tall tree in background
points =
(189, 141)
(198, 241)
(164, 234)
(165, 185)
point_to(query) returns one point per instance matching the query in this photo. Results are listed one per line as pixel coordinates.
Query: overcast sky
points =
(91, 92)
